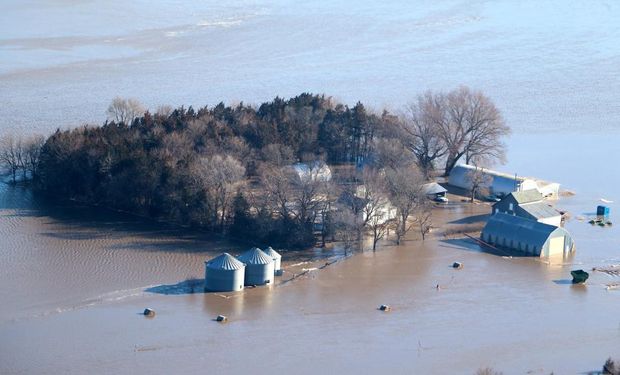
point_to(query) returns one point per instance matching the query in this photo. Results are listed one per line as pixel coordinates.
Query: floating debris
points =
(149, 312)
(579, 276)
(221, 319)
(457, 265)
(612, 286)
(385, 308)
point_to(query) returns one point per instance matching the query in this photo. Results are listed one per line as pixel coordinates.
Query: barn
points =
(529, 204)
(501, 183)
(525, 236)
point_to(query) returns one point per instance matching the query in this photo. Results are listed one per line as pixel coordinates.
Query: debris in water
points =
(149, 312)
(221, 319)
(457, 265)
(385, 308)
(579, 276)
(606, 200)
(612, 286)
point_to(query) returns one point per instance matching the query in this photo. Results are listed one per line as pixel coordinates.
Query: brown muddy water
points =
(73, 285)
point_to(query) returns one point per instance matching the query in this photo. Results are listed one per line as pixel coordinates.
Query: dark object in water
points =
(579, 276)
(149, 312)
(221, 318)
(457, 265)
(385, 308)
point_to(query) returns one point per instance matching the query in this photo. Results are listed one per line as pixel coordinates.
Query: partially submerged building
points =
(525, 236)
(529, 204)
(501, 183)
(224, 274)
(433, 190)
(259, 267)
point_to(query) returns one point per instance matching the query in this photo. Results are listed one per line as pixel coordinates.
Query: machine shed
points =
(526, 236)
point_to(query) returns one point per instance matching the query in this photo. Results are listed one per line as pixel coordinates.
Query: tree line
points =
(228, 169)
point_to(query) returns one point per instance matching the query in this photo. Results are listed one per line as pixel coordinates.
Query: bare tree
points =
(124, 110)
(469, 125)
(32, 154)
(391, 153)
(406, 194)
(221, 176)
(479, 182)
(346, 228)
(11, 154)
(422, 133)
(378, 212)
(423, 215)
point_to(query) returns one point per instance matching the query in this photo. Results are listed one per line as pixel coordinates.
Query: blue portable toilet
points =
(602, 211)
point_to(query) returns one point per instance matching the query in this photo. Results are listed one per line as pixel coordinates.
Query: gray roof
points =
(519, 229)
(433, 188)
(527, 196)
(540, 210)
(225, 262)
(272, 253)
(255, 256)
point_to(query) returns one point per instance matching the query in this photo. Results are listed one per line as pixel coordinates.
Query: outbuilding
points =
(277, 258)
(259, 267)
(529, 204)
(313, 171)
(501, 183)
(525, 236)
(433, 190)
(224, 274)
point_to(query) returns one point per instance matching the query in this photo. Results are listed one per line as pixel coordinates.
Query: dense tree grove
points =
(228, 168)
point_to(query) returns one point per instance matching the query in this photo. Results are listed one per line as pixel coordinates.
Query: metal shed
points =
(526, 236)
(502, 183)
(529, 204)
(224, 274)
(277, 258)
(258, 267)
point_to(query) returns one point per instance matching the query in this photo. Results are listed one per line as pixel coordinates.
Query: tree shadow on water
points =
(189, 286)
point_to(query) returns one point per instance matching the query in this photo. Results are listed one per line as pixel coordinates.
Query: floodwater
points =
(74, 280)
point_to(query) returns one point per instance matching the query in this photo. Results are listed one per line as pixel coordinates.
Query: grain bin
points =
(224, 274)
(277, 258)
(258, 267)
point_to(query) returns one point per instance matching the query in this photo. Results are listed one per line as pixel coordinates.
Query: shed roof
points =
(255, 256)
(527, 196)
(225, 262)
(272, 253)
(433, 188)
(519, 229)
(540, 210)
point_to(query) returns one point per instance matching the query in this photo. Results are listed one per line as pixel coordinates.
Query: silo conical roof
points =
(225, 262)
(255, 256)
(272, 253)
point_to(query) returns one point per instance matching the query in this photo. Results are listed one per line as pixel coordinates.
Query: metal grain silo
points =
(258, 267)
(277, 258)
(224, 274)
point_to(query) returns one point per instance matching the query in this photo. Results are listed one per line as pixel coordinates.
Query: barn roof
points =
(519, 229)
(225, 262)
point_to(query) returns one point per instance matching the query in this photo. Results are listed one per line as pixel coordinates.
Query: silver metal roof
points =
(540, 210)
(225, 262)
(527, 196)
(433, 188)
(519, 229)
(272, 253)
(255, 256)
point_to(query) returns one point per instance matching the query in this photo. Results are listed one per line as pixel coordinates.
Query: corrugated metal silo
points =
(258, 267)
(277, 258)
(224, 274)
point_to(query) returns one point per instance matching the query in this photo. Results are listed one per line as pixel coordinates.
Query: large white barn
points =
(502, 183)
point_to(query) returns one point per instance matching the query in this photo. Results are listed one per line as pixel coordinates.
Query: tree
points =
(423, 217)
(11, 155)
(405, 190)
(377, 211)
(470, 125)
(32, 154)
(422, 133)
(220, 176)
(479, 182)
(124, 111)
